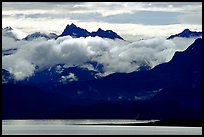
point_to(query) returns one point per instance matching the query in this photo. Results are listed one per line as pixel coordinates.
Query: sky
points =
(131, 20)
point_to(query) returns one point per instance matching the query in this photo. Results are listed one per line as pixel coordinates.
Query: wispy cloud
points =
(122, 17)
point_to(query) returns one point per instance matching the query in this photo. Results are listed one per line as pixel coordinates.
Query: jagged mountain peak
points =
(76, 32)
(99, 29)
(8, 28)
(186, 33)
(73, 25)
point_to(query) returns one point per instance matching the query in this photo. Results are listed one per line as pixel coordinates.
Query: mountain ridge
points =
(35, 35)
(169, 91)
(186, 33)
(76, 32)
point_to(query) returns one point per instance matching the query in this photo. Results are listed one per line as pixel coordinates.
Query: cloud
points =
(110, 15)
(191, 18)
(71, 77)
(105, 8)
(114, 55)
(129, 31)
(20, 67)
(31, 25)
(8, 43)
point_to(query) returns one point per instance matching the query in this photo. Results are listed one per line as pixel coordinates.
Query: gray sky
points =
(129, 19)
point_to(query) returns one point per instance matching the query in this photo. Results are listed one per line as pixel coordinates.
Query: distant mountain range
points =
(39, 34)
(76, 32)
(70, 30)
(172, 90)
(186, 34)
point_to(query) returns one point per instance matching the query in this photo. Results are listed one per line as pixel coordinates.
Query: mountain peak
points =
(99, 29)
(190, 54)
(10, 32)
(72, 25)
(8, 28)
(186, 30)
(106, 34)
(186, 33)
(76, 32)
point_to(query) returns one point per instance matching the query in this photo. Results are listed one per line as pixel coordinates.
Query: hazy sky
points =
(129, 19)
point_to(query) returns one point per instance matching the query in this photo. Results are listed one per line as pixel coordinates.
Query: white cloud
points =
(55, 17)
(15, 33)
(19, 34)
(8, 43)
(104, 8)
(191, 18)
(88, 66)
(115, 55)
(31, 25)
(20, 67)
(129, 31)
(69, 78)
(59, 69)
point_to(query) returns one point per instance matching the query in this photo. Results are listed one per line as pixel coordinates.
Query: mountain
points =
(172, 90)
(176, 84)
(7, 77)
(186, 34)
(106, 34)
(17, 35)
(8, 28)
(70, 30)
(6, 52)
(52, 35)
(8, 31)
(56, 75)
(9, 34)
(40, 35)
(59, 75)
(76, 32)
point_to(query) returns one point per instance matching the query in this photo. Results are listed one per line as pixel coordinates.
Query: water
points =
(85, 127)
(74, 122)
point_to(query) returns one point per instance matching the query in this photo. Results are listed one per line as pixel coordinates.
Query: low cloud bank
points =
(114, 55)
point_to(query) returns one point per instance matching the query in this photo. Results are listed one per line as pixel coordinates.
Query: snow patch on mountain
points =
(13, 33)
